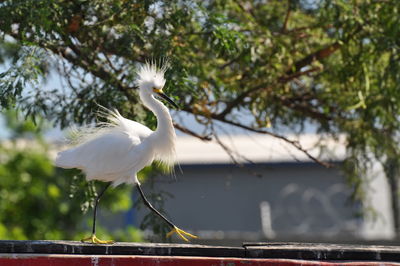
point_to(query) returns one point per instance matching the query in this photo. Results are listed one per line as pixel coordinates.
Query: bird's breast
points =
(164, 147)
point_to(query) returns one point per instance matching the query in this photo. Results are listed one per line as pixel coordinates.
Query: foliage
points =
(286, 64)
(38, 201)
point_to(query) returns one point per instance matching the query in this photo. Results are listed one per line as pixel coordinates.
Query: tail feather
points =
(66, 159)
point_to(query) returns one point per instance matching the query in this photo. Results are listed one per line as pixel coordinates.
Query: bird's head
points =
(151, 81)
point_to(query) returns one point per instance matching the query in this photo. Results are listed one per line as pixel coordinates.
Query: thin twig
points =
(234, 155)
(192, 133)
(227, 150)
(111, 64)
(284, 27)
(294, 143)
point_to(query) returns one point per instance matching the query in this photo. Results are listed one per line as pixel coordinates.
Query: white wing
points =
(134, 129)
(113, 153)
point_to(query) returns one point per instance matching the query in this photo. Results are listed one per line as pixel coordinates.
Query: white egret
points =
(118, 150)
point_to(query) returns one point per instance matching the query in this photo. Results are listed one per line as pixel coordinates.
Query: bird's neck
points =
(164, 120)
(165, 133)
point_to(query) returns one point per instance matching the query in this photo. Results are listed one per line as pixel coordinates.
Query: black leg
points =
(184, 235)
(148, 204)
(95, 207)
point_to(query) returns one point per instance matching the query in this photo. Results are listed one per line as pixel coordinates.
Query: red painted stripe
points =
(82, 260)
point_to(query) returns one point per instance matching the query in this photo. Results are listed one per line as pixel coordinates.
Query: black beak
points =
(165, 97)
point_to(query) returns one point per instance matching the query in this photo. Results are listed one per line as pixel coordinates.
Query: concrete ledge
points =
(322, 252)
(249, 251)
(154, 249)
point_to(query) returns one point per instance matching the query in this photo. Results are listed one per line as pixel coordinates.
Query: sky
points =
(3, 132)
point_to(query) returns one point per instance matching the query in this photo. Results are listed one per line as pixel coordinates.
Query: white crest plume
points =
(152, 72)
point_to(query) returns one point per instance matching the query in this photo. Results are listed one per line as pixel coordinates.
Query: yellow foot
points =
(181, 233)
(94, 240)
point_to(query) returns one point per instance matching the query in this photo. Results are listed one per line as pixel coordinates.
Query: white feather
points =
(119, 148)
(149, 73)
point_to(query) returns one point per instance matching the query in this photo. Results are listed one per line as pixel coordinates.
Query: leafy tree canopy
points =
(331, 63)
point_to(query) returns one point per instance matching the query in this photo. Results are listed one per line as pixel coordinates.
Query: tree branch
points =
(238, 100)
(305, 109)
(192, 133)
(318, 55)
(284, 27)
(294, 143)
(284, 79)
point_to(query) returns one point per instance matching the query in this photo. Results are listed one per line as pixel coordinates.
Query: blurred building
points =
(273, 192)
